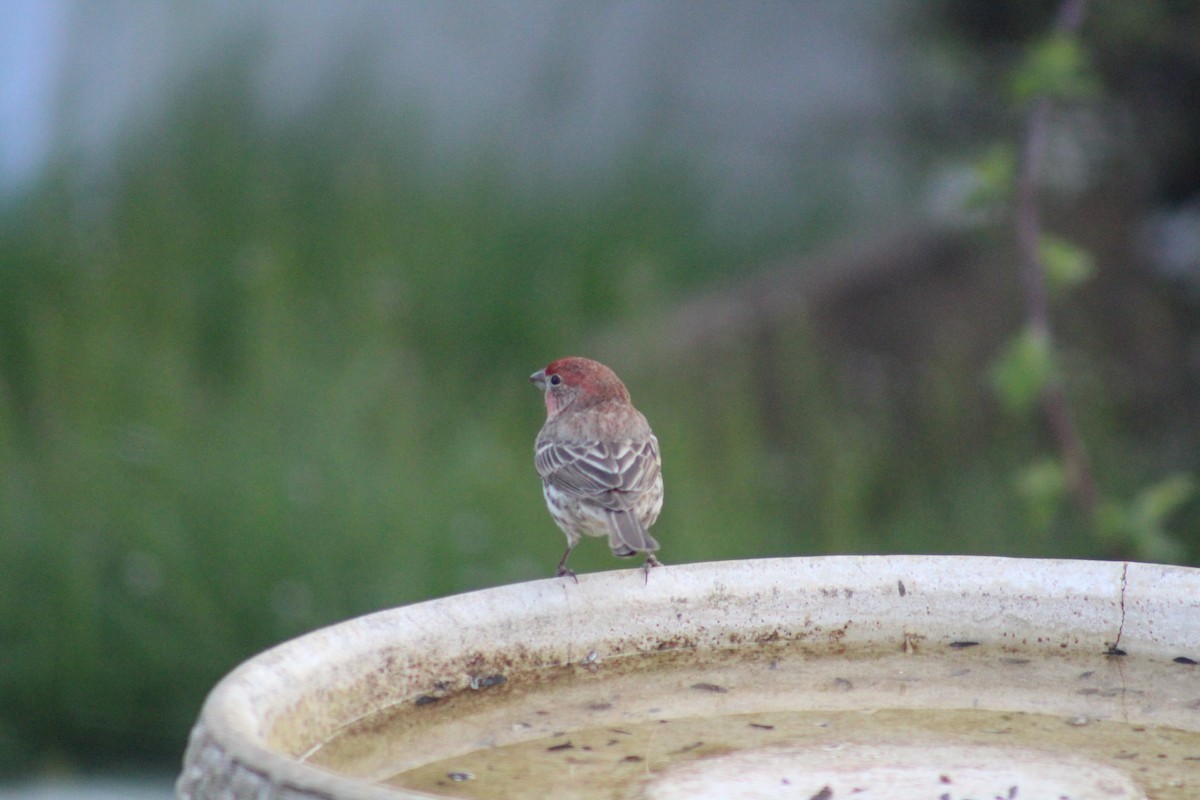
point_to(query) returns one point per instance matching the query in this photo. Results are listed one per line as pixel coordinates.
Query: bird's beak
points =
(538, 379)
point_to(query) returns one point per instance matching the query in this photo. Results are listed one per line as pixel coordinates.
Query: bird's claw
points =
(563, 572)
(651, 562)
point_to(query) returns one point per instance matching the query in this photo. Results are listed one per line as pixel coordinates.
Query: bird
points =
(598, 460)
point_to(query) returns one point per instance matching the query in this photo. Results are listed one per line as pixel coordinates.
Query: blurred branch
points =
(1033, 279)
(788, 290)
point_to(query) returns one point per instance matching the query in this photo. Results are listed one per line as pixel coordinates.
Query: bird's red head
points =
(578, 381)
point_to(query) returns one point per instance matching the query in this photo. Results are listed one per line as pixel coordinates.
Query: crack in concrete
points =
(1115, 648)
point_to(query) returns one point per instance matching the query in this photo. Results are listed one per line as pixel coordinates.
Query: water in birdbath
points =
(793, 720)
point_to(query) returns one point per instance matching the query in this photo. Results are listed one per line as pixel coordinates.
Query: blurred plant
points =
(254, 380)
(258, 378)
(1028, 372)
(1142, 520)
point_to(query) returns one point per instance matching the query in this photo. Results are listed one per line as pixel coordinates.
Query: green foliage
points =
(1043, 487)
(994, 173)
(1066, 265)
(254, 382)
(1021, 372)
(1057, 67)
(1056, 70)
(1139, 525)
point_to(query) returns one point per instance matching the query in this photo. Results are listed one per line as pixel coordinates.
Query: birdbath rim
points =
(263, 720)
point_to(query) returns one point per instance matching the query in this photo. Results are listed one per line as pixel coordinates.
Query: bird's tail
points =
(627, 536)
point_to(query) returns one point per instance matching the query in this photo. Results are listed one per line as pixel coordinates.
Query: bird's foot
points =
(563, 572)
(651, 562)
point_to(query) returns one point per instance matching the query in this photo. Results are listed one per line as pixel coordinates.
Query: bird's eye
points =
(555, 380)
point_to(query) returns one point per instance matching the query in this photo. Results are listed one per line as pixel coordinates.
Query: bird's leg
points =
(651, 562)
(562, 565)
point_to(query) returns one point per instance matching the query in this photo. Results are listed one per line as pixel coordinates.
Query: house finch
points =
(598, 460)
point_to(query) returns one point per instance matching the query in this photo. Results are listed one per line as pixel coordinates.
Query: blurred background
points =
(273, 276)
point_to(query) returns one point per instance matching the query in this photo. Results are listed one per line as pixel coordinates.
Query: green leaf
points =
(1042, 485)
(1022, 371)
(1139, 525)
(1066, 265)
(994, 175)
(1160, 500)
(1055, 67)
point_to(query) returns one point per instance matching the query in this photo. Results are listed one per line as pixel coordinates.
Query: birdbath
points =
(813, 678)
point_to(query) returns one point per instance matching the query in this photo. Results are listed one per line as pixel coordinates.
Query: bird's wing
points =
(611, 473)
